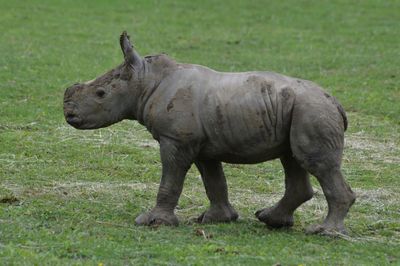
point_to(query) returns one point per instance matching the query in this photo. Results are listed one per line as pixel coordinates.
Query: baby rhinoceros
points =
(206, 117)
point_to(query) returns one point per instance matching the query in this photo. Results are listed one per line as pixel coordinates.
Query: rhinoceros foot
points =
(157, 217)
(327, 230)
(274, 218)
(218, 214)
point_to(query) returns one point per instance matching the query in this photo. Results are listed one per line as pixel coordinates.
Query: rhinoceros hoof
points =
(326, 230)
(157, 218)
(220, 214)
(274, 218)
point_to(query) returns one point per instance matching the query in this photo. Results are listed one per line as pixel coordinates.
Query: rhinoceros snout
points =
(73, 119)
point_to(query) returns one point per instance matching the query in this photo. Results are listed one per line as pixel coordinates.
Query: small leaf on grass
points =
(224, 251)
(9, 200)
(392, 259)
(220, 250)
(201, 232)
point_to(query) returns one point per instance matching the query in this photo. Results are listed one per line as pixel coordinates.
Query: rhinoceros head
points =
(108, 98)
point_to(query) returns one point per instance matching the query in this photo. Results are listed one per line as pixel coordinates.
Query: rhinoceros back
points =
(247, 116)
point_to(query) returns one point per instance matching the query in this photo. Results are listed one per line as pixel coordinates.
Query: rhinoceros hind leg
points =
(218, 214)
(340, 197)
(298, 190)
(214, 181)
(157, 217)
(317, 140)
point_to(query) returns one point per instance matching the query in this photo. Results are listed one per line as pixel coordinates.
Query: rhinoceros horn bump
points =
(131, 56)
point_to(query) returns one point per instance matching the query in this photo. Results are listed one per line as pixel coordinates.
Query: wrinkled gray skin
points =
(206, 117)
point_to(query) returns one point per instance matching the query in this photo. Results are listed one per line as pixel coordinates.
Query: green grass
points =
(70, 197)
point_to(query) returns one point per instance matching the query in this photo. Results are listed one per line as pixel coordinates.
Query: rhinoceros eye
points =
(100, 93)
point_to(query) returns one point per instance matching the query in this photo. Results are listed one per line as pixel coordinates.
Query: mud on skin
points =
(204, 117)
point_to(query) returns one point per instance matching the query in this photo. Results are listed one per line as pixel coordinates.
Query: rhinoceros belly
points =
(246, 119)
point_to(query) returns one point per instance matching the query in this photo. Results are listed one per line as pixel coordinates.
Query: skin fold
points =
(206, 117)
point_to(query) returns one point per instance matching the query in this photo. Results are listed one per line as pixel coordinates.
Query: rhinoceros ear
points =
(130, 55)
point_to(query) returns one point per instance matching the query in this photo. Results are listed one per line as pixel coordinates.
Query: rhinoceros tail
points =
(340, 109)
(343, 113)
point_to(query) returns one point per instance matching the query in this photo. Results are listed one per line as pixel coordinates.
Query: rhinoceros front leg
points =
(175, 164)
(214, 181)
(298, 190)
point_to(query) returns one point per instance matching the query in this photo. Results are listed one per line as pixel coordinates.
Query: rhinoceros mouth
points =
(73, 120)
(81, 124)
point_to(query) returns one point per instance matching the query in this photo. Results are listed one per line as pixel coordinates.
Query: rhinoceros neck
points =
(154, 70)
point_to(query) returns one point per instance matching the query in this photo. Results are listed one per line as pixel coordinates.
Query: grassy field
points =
(70, 197)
